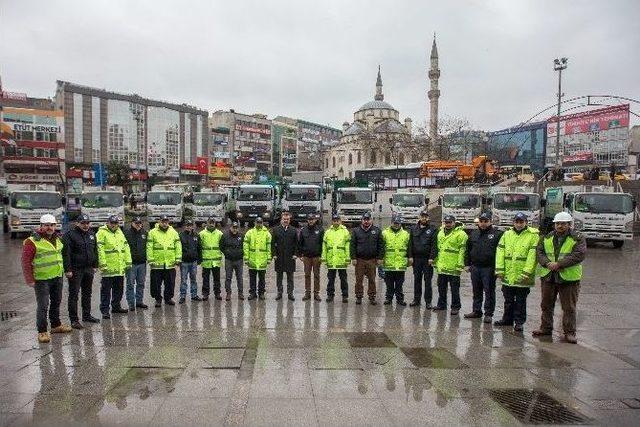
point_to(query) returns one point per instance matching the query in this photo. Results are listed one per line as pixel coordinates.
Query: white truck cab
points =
(352, 202)
(164, 200)
(208, 203)
(99, 203)
(256, 200)
(302, 200)
(464, 205)
(26, 203)
(409, 203)
(505, 203)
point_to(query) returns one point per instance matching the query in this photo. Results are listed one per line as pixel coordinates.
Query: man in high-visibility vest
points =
(211, 258)
(515, 267)
(560, 254)
(336, 253)
(164, 254)
(42, 267)
(451, 244)
(397, 257)
(114, 260)
(257, 254)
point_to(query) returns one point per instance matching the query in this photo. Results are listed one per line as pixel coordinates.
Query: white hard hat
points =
(47, 219)
(562, 217)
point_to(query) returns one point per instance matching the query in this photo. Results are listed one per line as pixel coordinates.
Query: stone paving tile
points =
(281, 384)
(217, 358)
(333, 412)
(281, 412)
(205, 383)
(183, 411)
(166, 357)
(336, 384)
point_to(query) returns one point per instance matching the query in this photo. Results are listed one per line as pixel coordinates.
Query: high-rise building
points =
(284, 140)
(32, 147)
(155, 138)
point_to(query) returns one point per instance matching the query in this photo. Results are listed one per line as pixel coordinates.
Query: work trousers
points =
(366, 268)
(280, 277)
(188, 271)
(207, 273)
(311, 264)
(111, 290)
(256, 276)
(394, 281)
(331, 276)
(81, 282)
(483, 283)
(160, 276)
(422, 270)
(136, 278)
(515, 304)
(444, 281)
(568, 300)
(229, 267)
(48, 297)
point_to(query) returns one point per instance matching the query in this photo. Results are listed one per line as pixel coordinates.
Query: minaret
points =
(434, 93)
(379, 96)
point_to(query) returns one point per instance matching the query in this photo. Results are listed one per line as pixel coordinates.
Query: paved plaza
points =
(308, 363)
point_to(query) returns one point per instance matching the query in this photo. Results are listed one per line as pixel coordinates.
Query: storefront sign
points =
(32, 177)
(220, 172)
(26, 127)
(252, 129)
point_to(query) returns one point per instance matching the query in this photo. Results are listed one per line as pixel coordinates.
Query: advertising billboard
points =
(598, 137)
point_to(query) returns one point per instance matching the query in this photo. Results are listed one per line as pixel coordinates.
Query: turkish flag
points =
(203, 165)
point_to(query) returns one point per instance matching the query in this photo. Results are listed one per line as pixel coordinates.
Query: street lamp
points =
(559, 65)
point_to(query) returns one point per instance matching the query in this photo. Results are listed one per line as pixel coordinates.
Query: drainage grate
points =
(368, 339)
(6, 315)
(438, 358)
(536, 407)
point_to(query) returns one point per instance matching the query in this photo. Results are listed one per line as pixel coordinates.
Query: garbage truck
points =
(208, 203)
(99, 203)
(302, 200)
(256, 200)
(409, 202)
(26, 203)
(352, 202)
(505, 203)
(464, 205)
(165, 200)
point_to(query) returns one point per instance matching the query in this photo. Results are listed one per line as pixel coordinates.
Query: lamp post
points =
(559, 64)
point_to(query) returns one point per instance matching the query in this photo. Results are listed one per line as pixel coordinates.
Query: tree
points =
(456, 140)
(118, 173)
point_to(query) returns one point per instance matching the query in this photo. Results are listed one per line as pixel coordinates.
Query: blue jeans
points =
(483, 280)
(188, 271)
(135, 284)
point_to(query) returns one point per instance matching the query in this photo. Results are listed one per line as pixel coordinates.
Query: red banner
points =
(203, 165)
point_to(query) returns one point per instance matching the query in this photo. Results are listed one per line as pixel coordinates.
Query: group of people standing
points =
(515, 257)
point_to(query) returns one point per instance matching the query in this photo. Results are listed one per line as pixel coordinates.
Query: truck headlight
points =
(15, 220)
(628, 226)
(577, 224)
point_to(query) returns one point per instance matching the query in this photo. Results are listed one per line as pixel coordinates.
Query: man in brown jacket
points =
(560, 254)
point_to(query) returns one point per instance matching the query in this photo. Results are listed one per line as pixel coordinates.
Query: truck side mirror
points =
(375, 197)
(440, 201)
(390, 200)
(426, 201)
(543, 203)
(225, 198)
(64, 200)
(5, 200)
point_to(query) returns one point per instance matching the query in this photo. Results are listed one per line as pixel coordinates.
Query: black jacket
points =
(423, 241)
(191, 251)
(482, 246)
(284, 245)
(137, 244)
(366, 244)
(79, 250)
(310, 241)
(231, 245)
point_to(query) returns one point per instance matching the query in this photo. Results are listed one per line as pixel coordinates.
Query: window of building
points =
(387, 159)
(401, 158)
(350, 159)
(333, 161)
(326, 163)
(373, 158)
(359, 158)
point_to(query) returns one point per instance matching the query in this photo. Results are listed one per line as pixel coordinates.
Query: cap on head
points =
(234, 224)
(562, 217)
(313, 216)
(48, 219)
(259, 220)
(520, 217)
(396, 219)
(449, 218)
(113, 219)
(485, 215)
(366, 215)
(335, 216)
(83, 218)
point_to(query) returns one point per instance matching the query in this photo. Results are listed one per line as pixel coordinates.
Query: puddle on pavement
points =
(368, 339)
(146, 382)
(437, 358)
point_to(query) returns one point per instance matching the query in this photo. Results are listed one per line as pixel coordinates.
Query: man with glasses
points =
(449, 262)
(367, 251)
(80, 262)
(136, 277)
(515, 267)
(114, 259)
(42, 267)
(164, 253)
(480, 261)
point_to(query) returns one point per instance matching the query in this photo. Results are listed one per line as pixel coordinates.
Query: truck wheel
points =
(618, 243)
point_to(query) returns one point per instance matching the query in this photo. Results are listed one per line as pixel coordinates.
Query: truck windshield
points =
(101, 200)
(464, 201)
(516, 202)
(604, 203)
(346, 197)
(164, 198)
(207, 199)
(303, 194)
(408, 200)
(259, 194)
(36, 201)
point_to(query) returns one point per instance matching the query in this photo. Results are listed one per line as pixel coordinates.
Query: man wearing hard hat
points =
(42, 267)
(560, 254)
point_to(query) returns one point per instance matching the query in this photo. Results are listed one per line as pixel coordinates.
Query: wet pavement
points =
(307, 363)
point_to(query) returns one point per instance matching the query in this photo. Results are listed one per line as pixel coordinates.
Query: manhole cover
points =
(6, 315)
(536, 407)
(368, 339)
(437, 358)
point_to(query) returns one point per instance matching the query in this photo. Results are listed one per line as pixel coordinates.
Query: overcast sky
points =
(317, 60)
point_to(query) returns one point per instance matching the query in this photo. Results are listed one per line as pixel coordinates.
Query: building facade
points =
(155, 138)
(313, 141)
(518, 145)
(250, 140)
(284, 141)
(32, 140)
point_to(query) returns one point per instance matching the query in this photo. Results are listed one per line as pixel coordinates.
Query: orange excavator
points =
(480, 170)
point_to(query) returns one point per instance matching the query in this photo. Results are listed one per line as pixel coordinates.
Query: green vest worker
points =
(211, 258)
(336, 253)
(164, 253)
(256, 250)
(560, 255)
(397, 257)
(42, 269)
(449, 262)
(515, 267)
(114, 259)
